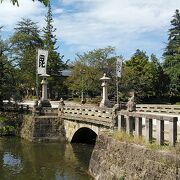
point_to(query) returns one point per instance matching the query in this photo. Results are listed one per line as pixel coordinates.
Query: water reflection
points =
(12, 163)
(20, 159)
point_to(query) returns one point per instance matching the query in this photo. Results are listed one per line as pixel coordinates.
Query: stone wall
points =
(42, 128)
(112, 159)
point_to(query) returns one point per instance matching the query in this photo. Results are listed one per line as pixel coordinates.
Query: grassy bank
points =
(123, 136)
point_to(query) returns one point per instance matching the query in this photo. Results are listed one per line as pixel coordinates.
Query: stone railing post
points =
(121, 123)
(129, 124)
(160, 131)
(138, 126)
(173, 131)
(149, 130)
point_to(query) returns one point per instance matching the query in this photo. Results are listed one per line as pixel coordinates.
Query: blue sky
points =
(84, 25)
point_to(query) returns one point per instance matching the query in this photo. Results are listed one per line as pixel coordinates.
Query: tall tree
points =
(138, 75)
(55, 63)
(7, 83)
(160, 79)
(25, 41)
(89, 67)
(172, 55)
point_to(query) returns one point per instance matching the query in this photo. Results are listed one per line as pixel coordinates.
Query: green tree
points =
(25, 42)
(172, 55)
(138, 75)
(7, 83)
(89, 67)
(55, 64)
(160, 79)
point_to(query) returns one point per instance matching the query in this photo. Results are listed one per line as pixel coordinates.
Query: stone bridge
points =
(74, 123)
(83, 123)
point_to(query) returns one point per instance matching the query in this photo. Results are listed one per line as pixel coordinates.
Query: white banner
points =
(42, 61)
(119, 67)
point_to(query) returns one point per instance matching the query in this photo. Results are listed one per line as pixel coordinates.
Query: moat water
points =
(23, 160)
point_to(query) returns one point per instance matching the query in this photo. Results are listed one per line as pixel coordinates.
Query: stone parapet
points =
(158, 108)
(94, 115)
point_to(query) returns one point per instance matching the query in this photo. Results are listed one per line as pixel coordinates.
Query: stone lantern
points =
(44, 100)
(105, 101)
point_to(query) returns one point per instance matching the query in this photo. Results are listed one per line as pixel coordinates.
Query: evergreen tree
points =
(7, 83)
(172, 55)
(55, 64)
(138, 75)
(25, 42)
(160, 79)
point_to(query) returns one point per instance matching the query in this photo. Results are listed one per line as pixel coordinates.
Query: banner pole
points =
(117, 89)
(37, 81)
(118, 75)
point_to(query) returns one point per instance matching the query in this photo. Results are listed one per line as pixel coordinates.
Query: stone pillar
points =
(121, 123)
(160, 131)
(105, 101)
(138, 126)
(129, 124)
(44, 100)
(44, 88)
(173, 131)
(149, 130)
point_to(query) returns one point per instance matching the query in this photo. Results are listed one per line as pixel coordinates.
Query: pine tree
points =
(172, 55)
(55, 64)
(139, 75)
(24, 42)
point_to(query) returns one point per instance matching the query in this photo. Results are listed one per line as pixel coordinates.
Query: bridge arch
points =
(74, 130)
(84, 135)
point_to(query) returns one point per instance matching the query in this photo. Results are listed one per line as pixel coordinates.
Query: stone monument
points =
(61, 107)
(131, 105)
(44, 101)
(105, 101)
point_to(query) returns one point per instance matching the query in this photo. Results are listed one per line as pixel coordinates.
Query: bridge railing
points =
(97, 115)
(130, 121)
(160, 108)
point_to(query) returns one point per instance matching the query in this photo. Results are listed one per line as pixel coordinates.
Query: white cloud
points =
(89, 24)
(10, 15)
(96, 23)
(58, 11)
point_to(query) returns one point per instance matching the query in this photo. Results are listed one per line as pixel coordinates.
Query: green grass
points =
(124, 137)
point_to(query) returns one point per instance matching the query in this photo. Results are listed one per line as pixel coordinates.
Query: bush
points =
(7, 130)
(2, 119)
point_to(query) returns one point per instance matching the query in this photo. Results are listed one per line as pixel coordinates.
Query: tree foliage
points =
(172, 55)
(55, 63)
(89, 67)
(7, 83)
(24, 43)
(144, 75)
